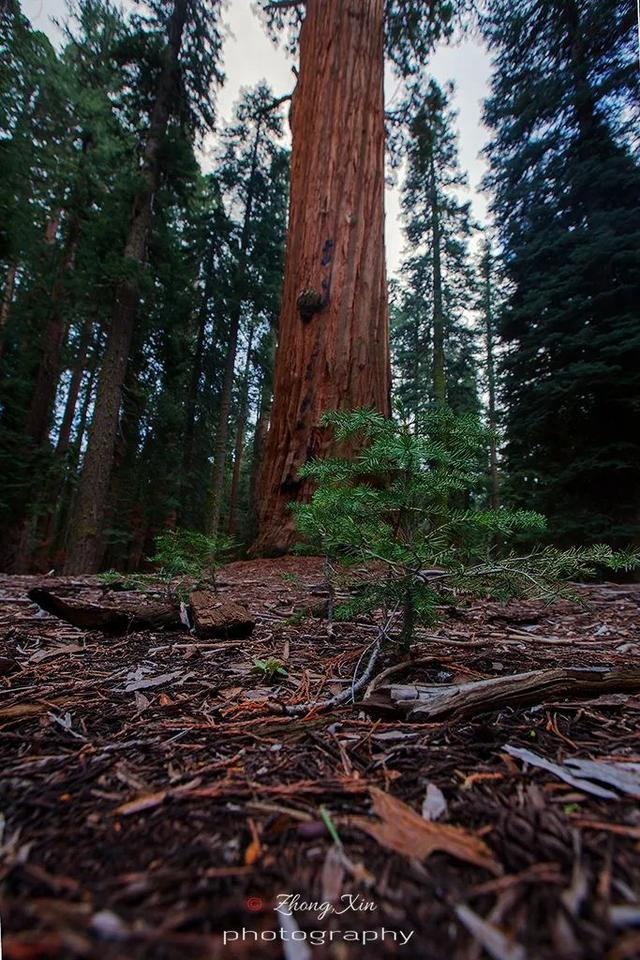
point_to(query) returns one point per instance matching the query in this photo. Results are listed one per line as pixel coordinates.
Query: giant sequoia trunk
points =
(85, 540)
(333, 331)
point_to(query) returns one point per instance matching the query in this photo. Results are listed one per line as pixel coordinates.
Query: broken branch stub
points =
(429, 703)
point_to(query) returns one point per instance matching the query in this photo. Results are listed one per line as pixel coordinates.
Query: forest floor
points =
(154, 795)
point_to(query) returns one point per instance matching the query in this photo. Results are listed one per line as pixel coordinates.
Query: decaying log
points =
(429, 703)
(132, 612)
(122, 612)
(216, 617)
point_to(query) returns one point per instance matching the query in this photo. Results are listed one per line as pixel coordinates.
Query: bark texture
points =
(85, 542)
(333, 344)
(433, 704)
(116, 615)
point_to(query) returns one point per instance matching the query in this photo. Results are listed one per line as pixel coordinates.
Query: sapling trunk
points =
(408, 619)
(331, 594)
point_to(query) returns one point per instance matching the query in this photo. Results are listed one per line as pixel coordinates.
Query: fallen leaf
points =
(404, 831)
(560, 771)
(625, 777)
(153, 682)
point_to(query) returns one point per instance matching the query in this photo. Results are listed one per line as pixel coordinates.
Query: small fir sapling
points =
(408, 503)
(184, 560)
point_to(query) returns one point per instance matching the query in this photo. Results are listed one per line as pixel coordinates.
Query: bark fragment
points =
(215, 617)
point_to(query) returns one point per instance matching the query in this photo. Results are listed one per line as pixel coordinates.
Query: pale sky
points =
(250, 56)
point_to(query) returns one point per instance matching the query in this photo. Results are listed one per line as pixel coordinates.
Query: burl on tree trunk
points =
(333, 348)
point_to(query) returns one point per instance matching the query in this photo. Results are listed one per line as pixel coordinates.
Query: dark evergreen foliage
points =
(566, 199)
(541, 330)
(434, 297)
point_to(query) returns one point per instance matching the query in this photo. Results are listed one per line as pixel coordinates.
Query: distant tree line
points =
(141, 284)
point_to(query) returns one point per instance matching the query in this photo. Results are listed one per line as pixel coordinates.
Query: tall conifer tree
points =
(566, 199)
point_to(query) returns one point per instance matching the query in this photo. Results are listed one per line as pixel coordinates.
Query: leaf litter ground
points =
(154, 794)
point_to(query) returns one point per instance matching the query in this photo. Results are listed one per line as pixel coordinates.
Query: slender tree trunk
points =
(40, 411)
(71, 402)
(262, 426)
(84, 410)
(51, 227)
(192, 394)
(222, 432)
(333, 337)
(7, 300)
(44, 393)
(66, 497)
(416, 376)
(241, 424)
(45, 535)
(494, 480)
(85, 541)
(439, 379)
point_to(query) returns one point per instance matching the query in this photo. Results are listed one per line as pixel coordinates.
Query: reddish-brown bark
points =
(333, 340)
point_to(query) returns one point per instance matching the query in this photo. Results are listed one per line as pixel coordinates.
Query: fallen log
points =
(432, 703)
(132, 612)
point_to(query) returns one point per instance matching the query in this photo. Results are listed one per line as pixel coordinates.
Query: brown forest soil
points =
(144, 823)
